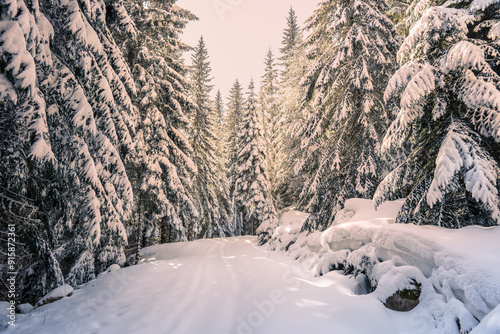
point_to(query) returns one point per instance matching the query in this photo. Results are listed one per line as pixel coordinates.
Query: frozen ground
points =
(215, 287)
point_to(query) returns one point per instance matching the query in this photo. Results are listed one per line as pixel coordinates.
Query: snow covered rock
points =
(56, 294)
(404, 300)
(25, 308)
(111, 268)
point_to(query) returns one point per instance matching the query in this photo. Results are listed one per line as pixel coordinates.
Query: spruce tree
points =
(343, 134)
(165, 210)
(292, 36)
(23, 132)
(70, 124)
(232, 125)
(447, 97)
(289, 183)
(270, 117)
(93, 96)
(220, 118)
(254, 209)
(209, 181)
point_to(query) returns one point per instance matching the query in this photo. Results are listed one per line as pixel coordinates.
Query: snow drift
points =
(456, 270)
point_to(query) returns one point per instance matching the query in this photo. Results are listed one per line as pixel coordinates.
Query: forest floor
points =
(221, 286)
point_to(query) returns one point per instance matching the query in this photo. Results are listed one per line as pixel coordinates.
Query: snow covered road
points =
(221, 286)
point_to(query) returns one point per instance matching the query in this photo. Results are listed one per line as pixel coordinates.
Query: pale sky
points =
(238, 34)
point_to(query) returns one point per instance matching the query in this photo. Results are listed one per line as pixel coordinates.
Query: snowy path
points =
(215, 287)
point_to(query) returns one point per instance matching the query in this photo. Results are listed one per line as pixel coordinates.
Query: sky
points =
(238, 34)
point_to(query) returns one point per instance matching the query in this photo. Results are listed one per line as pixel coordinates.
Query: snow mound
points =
(111, 268)
(458, 271)
(56, 294)
(25, 308)
(289, 227)
(362, 210)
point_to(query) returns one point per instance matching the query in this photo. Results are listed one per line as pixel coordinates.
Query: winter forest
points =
(353, 188)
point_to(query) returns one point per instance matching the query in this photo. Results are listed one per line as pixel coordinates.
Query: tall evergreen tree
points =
(254, 209)
(288, 184)
(222, 148)
(344, 132)
(69, 124)
(209, 184)
(165, 208)
(270, 116)
(220, 118)
(232, 124)
(446, 93)
(292, 37)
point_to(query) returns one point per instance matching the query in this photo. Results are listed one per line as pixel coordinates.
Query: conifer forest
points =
(353, 186)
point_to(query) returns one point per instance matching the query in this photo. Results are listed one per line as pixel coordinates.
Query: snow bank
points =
(458, 270)
(56, 294)
(25, 308)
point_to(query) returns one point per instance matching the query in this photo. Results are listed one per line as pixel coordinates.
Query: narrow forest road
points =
(221, 286)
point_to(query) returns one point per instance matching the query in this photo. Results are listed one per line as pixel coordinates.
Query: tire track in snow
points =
(234, 286)
(211, 275)
(193, 275)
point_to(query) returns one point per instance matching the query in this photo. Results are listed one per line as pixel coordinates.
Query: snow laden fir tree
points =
(348, 119)
(232, 126)
(210, 187)
(448, 125)
(253, 206)
(67, 122)
(270, 117)
(162, 171)
(288, 184)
